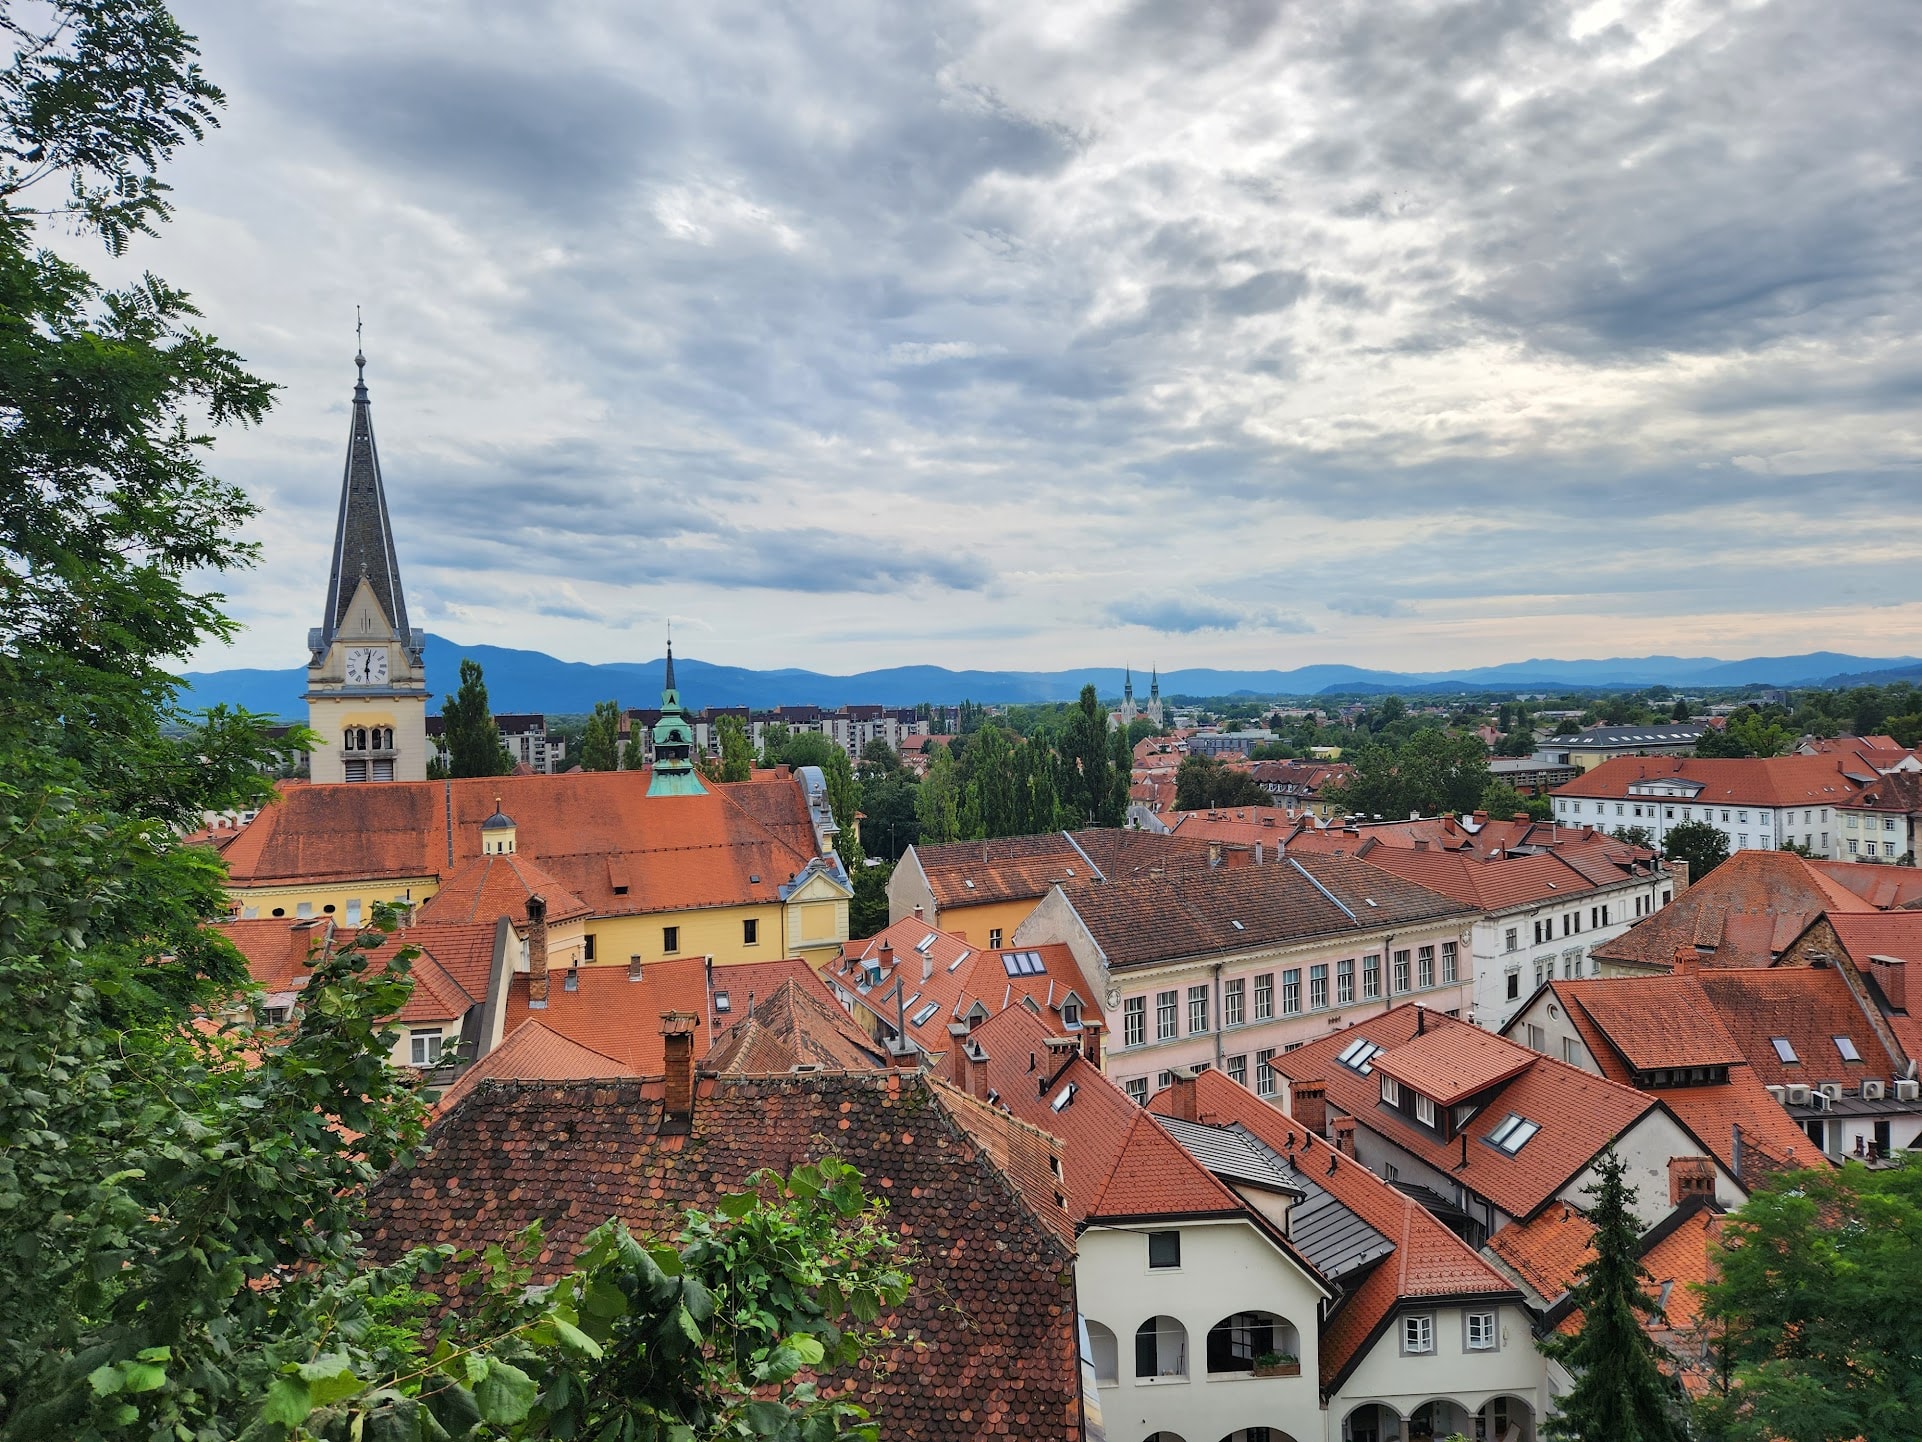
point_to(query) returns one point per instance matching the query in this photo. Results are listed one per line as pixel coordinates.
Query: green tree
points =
(938, 806)
(868, 912)
(473, 741)
(1203, 784)
(988, 783)
(1088, 788)
(1699, 844)
(877, 759)
(1519, 742)
(1635, 836)
(1620, 1393)
(1679, 711)
(893, 824)
(774, 742)
(600, 743)
(737, 751)
(1811, 1310)
(1502, 801)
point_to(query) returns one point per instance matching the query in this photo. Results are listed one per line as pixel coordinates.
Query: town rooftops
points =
(794, 1027)
(1449, 1065)
(989, 1245)
(1425, 1260)
(598, 833)
(1743, 913)
(1493, 884)
(1769, 781)
(1017, 868)
(1532, 1132)
(1201, 913)
(486, 888)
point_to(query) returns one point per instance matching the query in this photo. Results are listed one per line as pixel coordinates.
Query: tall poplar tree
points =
(600, 742)
(474, 745)
(1620, 1392)
(737, 751)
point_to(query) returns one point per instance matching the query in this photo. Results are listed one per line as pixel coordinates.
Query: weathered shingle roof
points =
(1203, 913)
(1744, 912)
(1018, 868)
(990, 1302)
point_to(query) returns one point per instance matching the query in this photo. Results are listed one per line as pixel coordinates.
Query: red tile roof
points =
(1450, 1065)
(1753, 781)
(952, 975)
(534, 1053)
(450, 974)
(1494, 883)
(1153, 1177)
(619, 1018)
(1744, 912)
(795, 1025)
(1547, 1251)
(1428, 1260)
(598, 832)
(576, 1153)
(1886, 888)
(487, 888)
(1808, 1007)
(1580, 1114)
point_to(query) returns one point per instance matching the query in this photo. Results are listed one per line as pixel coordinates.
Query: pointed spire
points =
(674, 773)
(1128, 686)
(668, 688)
(363, 535)
(1154, 686)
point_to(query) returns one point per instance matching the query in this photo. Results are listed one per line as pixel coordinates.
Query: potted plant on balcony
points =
(1277, 1364)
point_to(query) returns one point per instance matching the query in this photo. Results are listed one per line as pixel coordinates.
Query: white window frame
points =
(420, 1055)
(1481, 1332)
(1418, 1334)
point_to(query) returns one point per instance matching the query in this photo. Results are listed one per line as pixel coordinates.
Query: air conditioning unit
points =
(1874, 1091)
(1820, 1102)
(1831, 1090)
(1781, 1094)
(1908, 1091)
(1798, 1096)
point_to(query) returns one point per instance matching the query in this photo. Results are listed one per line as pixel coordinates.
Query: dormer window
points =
(1071, 1015)
(1390, 1091)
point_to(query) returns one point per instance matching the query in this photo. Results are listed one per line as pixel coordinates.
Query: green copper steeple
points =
(674, 773)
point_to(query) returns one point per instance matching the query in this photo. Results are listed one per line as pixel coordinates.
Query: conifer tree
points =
(737, 751)
(474, 745)
(1620, 1393)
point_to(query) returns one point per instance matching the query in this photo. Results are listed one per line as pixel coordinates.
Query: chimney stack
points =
(1091, 1041)
(1182, 1104)
(1421, 1018)
(634, 971)
(536, 953)
(1687, 962)
(1689, 1177)
(677, 1104)
(917, 912)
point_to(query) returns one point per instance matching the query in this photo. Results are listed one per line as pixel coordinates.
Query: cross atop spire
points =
(363, 534)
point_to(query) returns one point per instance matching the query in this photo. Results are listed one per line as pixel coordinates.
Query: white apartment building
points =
(1759, 803)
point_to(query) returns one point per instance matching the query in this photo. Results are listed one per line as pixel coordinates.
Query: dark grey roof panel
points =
(363, 535)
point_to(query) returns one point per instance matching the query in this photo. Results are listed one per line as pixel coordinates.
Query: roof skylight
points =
(956, 963)
(1063, 1097)
(1846, 1045)
(1513, 1134)
(1359, 1054)
(1023, 963)
(925, 942)
(920, 1018)
(1784, 1050)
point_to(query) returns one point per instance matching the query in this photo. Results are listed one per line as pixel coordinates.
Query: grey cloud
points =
(1184, 615)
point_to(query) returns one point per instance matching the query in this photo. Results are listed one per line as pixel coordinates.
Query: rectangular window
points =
(423, 1047)
(353, 913)
(1571, 1051)
(1402, 971)
(994, 938)
(1264, 996)
(1391, 1091)
(1134, 1021)
(1233, 1002)
(1318, 987)
(750, 932)
(1425, 967)
(1345, 982)
(587, 947)
(1197, 1009)
(1537, 1038)
(1137, 1089)
(670, 938)
(1451, 963)
(1512, 939)
(1514, 986)
(1264, 1074)
(1291, 992)
(1481, 1332)
(1371, 976)
(1167, 1014)
(1164, 1250)
(1846, 1047)
(1238, 1069)
(1418, 1334)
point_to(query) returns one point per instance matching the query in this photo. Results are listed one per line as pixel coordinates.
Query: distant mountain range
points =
(534, 681)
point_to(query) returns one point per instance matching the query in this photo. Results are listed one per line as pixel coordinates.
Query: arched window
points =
(347, 740)
(1251, 1341)
(1161, 1348)
(1106, 1350)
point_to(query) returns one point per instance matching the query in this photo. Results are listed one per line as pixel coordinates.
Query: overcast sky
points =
(1038, 335)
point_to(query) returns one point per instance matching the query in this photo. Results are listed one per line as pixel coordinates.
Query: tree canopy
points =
(600, 742)
(1700, 844)
(472, 740)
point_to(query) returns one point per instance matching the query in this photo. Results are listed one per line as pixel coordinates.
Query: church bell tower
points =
(366, 684)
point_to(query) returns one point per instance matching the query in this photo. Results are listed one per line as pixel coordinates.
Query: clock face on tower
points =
(366, 667)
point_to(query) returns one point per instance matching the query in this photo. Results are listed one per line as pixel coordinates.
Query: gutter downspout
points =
(1218, 1019)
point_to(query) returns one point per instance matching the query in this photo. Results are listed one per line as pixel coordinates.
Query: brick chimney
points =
(1689, 1177)
(1182, 1103)
(677, 1103)
(1091, 1041)
(302, 937)
(1308, 1104)
(958, 1054)
(536, 953)
(1688, 962)
(1678, 869)
(917, 912)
